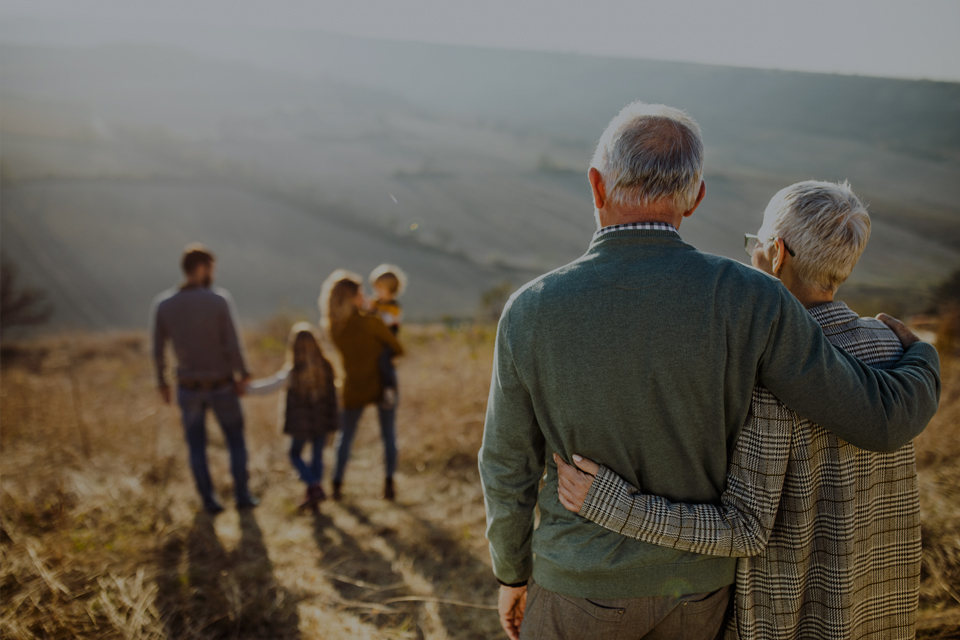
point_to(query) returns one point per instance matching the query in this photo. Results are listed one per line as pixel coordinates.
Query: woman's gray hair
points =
(649, 152)
(825, 224)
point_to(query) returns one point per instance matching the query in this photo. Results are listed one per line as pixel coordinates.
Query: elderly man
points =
(831, 533)
(200, 322)
(643, 353)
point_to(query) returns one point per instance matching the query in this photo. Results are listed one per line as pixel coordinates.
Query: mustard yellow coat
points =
(361, 340)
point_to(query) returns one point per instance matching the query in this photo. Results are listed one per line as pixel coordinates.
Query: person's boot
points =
(313, 497)
(212, 507)
(248, 502)
(308, 500)
(336, 490)
(388, 492)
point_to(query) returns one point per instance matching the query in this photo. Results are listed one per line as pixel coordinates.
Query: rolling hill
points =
(295, 153)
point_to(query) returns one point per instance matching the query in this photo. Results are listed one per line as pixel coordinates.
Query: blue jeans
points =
(388, 433)
(388, 373)
(312, 474)
(226, 407)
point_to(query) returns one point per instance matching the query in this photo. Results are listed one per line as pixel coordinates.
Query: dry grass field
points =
(101, 535)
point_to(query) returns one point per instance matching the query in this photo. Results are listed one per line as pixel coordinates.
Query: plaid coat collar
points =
(833, 313)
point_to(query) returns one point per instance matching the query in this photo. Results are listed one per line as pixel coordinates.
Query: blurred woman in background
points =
(360, 339)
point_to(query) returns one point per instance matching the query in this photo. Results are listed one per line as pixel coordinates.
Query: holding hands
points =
(241, 386)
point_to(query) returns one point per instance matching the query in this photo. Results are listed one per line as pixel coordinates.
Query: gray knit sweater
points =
(202, 325)
(643, 353)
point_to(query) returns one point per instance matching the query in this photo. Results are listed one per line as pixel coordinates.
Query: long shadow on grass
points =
(206, 593)
(363, 577)
(455, 573)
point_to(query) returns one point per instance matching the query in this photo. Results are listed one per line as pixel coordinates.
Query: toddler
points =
(388, 282)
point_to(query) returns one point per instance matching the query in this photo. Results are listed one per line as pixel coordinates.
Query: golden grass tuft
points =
(101, 537)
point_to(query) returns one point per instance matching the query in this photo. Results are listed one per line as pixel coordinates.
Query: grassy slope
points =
(101, 536)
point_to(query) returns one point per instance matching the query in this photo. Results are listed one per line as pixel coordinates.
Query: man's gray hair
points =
(825, 224)
(649, 152)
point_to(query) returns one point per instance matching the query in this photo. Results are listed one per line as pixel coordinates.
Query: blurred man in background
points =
(201, 324)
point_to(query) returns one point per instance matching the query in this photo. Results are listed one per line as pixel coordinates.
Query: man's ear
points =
(700, 196)
(598, 188)
(776, 264)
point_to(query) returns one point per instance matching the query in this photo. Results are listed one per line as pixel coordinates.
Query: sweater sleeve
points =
(230, 330)
(740, 525)
(264, 386)
(158, 335)
(872, 409)
(386, 336)
(511, 461)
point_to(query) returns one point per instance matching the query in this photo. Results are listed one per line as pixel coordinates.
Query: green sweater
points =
(643, 355)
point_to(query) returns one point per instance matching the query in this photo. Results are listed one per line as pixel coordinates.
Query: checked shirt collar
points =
(632, 226)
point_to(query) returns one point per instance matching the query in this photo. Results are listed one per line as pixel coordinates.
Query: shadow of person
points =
(363, 577)
(190, 594)
(267, 609)
(455, 573)
(206, 592)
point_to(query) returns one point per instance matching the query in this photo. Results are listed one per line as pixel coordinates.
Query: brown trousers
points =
(553, 616)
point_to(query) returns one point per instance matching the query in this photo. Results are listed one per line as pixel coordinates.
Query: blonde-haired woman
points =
(360, 339)
(309, 410)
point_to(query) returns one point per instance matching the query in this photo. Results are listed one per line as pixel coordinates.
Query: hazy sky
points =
(897, 38)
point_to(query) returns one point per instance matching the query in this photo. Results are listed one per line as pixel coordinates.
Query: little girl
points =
(310, 409)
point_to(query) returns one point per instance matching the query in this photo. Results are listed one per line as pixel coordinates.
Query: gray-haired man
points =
(656, 347)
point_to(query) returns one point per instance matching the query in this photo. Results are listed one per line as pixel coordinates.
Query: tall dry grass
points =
(101, 536)
(938, 468)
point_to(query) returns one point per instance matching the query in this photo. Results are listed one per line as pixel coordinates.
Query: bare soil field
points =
(102, 535)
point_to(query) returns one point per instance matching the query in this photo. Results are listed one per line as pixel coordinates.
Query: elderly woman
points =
(360, 339)
(828, 533)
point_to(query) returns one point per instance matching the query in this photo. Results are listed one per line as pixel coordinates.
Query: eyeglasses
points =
(750, 242)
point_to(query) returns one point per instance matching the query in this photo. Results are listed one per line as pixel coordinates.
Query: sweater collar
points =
(625, 234)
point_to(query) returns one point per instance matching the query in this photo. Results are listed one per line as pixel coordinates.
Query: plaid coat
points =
(828, 534)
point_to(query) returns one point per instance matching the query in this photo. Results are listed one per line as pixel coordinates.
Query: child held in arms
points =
(388, 282)
(308, 410)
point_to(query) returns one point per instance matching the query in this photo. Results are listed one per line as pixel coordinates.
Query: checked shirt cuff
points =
(605, 498)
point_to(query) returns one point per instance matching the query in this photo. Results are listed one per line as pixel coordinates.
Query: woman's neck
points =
(808, 296)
